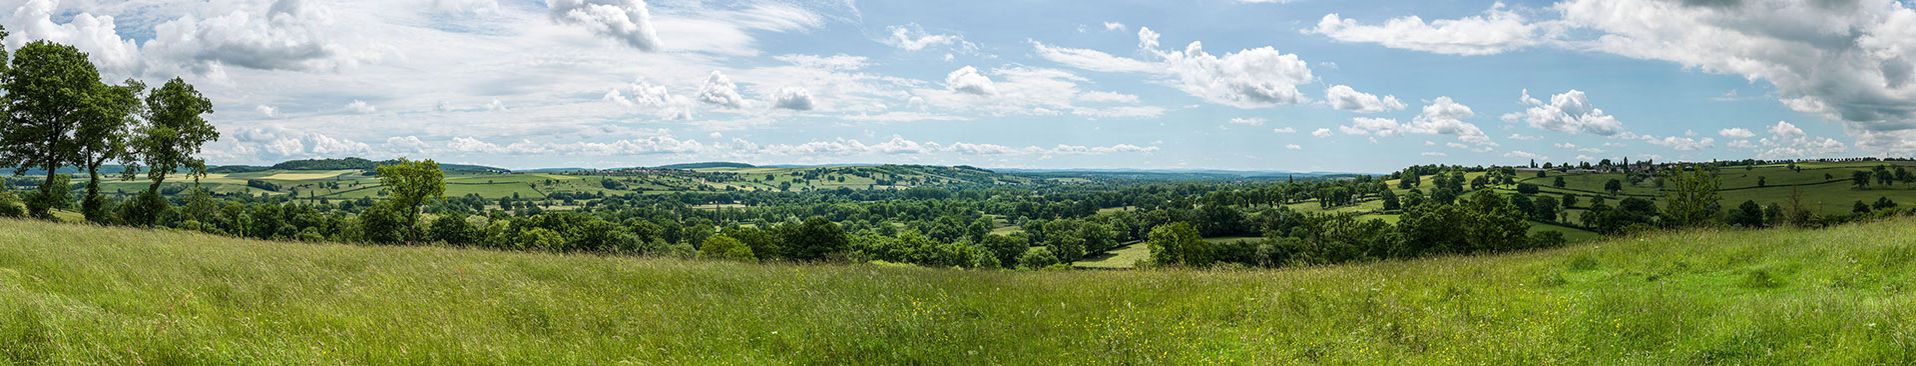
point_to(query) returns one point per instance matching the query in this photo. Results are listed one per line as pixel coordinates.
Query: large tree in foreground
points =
(107, 117)
(44, 88)
(409, 184)
(176, 129)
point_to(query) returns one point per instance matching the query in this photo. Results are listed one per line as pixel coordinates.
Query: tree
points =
(725, 248)
(1494, 223)
(45, 89)
(452, 229)
(1178, 244)
(1391, 203)
(1748, 214)
(1613, 186)
(1860, 178)
(1860, 207)
(176, 129)
(382, 224)
(1544, 209)
(411, 183)
(1558, 182)
(106, 122)
(1883, 203)
(1006, 247)
(1693, 200)
(815, 239)
(1037, 258)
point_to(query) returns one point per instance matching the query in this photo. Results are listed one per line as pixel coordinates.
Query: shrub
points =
(721, 247)
(1037, 258)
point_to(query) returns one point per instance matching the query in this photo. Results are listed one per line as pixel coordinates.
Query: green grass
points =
(1125, 257)
(75, 294)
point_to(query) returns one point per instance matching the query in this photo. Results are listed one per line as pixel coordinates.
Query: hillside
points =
(81, 294)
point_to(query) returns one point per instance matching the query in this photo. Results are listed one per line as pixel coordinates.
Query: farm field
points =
(356, 184)
(1774, 296)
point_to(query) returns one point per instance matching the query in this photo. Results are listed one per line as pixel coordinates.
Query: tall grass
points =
(88, 295)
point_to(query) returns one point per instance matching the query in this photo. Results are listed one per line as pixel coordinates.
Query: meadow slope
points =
(80, 294)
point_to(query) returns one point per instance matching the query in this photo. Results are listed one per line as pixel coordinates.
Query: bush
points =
(721, 247)
(1037, 258)
(10, 206)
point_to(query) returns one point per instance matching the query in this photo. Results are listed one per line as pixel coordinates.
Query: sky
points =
(1298, 85)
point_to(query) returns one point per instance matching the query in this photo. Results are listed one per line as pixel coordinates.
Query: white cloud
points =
(1114, 26)
(1567, 112)
(1321, 132)
(361, 107)
(1434, 154)
(1786, 141)
(1250, 78)
(911, 37)
(497, 106)
(969, 81)
(1293, 147)
(797, 99)
(1107, 97)
(720, 91)
(1250, 121)
(1094, 60)
(628, 21)
(1285, 130)
(407, 144)
(1681, 143)
(1523, 137)
(1496, 31)
(1520, 154)
(1343, 97)
(1738, 133)
(266, 110)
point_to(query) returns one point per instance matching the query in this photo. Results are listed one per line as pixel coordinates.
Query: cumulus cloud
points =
(1495, 31)
(1343, 97)
(1114, 26)
(1293, 147)
(627, 21)
(797, 99)
(288, 35)
(1736, 133)
(266, 110)
(1786, 141)
(642, 94)
(1567, 112)
(280, 144)
(1321, 132)
(1850, 61)
(95, 35)
(1286, 130)
(1442, 117)
(1250, 78)
(1248, 121)
(969, 81)
(720, 91)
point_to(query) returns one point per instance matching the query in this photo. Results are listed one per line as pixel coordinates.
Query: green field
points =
(355, 184)
(83, 294)
(1825, 187)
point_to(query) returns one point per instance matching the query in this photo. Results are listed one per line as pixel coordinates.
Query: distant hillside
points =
(706, 165)
(363, 164)
(91, 295)
(1152, 174)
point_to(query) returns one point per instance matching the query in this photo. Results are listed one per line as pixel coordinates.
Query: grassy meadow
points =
(77, 294)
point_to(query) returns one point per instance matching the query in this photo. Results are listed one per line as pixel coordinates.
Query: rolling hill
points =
(91, 295)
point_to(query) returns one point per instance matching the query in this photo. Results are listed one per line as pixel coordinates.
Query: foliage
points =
(1178, 244)
(721, 247)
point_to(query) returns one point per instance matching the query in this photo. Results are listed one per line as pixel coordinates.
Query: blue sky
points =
(1307, 85)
